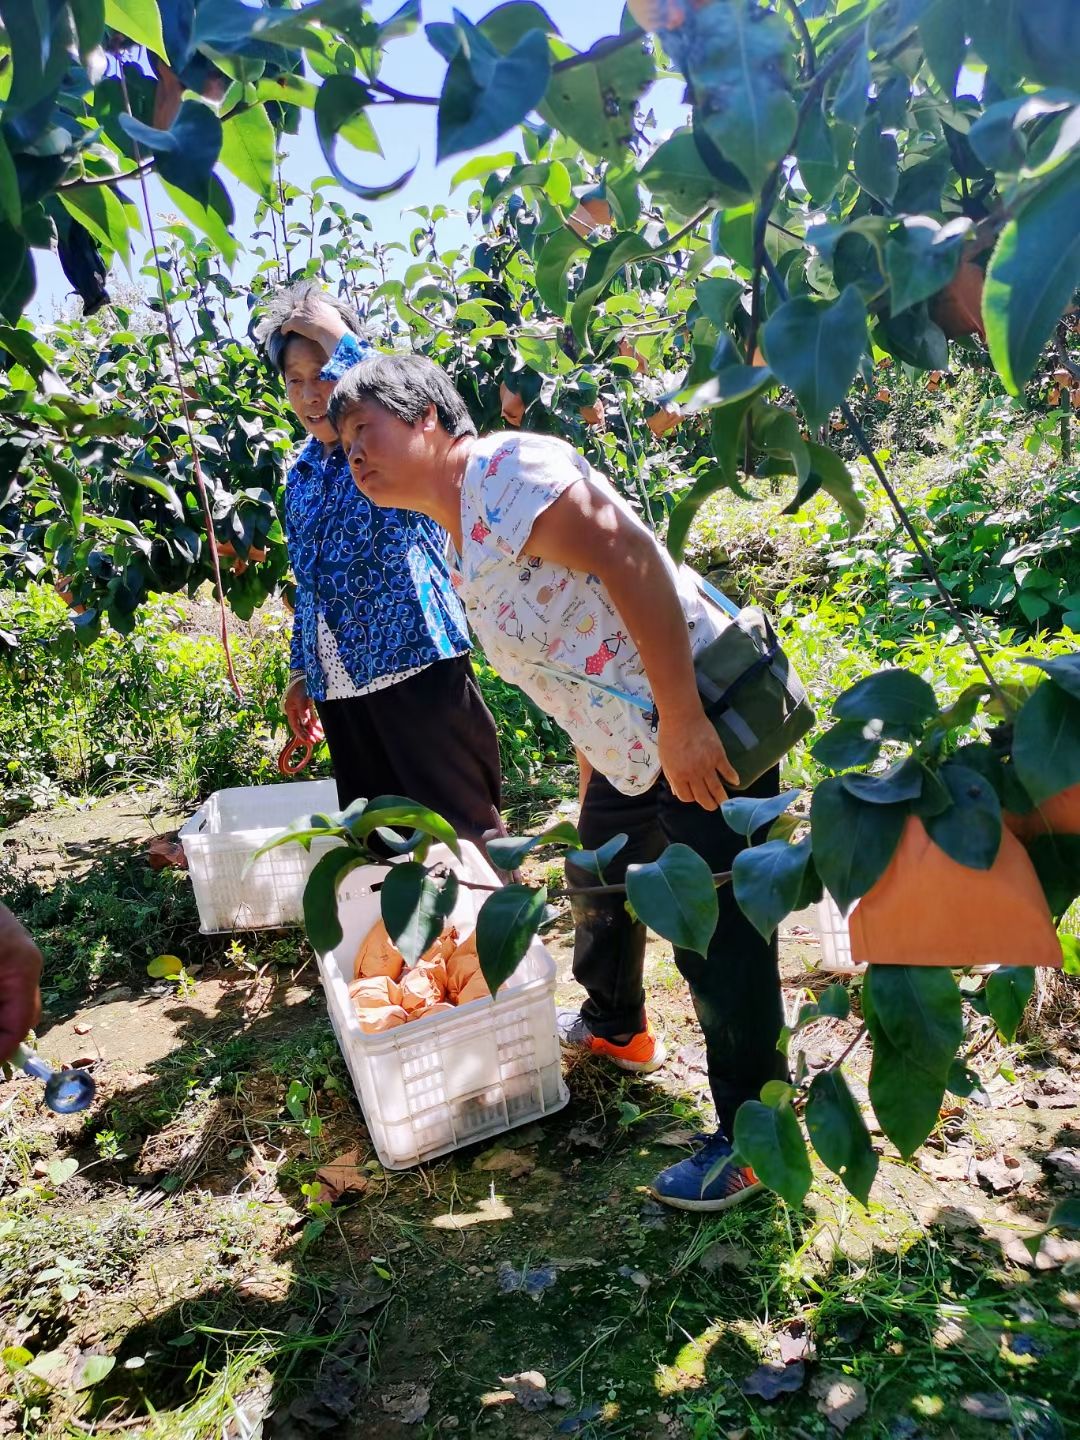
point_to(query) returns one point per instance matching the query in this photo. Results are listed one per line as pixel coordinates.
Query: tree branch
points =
(905, 520)
(401, 97)
(600, 51)
(809, 53)
(85, 181)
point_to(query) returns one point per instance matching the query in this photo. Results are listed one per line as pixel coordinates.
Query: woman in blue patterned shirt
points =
(379, 660)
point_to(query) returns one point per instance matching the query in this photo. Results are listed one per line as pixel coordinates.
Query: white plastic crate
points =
(832, 928)
(224, 833)
(835, 937)
(458, 1076)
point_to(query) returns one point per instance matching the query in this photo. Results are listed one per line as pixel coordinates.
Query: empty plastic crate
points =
(224, 833)
(460, 1075)
(832, 928)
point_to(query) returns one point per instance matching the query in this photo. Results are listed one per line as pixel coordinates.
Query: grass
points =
(190, 1253)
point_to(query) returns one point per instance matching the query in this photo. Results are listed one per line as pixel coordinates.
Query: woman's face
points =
(307, 393)
(391, 461)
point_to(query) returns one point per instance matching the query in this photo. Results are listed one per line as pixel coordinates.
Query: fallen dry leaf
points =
(987, 1406)
(408, 1403)
(82, 1028)
(580, 1136)
(769, 1382)
(840, 1399)
(795, 1342)
(676, 1137)
(722, 1256)
(953, 1165)
(1001, 1173)
(341, 1175)
(529, 1389)
(515, 1163)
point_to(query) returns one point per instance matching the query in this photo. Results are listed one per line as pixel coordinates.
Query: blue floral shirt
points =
(378, 577)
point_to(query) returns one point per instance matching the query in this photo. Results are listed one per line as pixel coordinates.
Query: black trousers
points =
(735, 988)
(430, 738)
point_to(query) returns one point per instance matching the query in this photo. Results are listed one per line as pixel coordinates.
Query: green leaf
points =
(895, 696)
(100, 210)
(918, 1008)
(10, 201)
(186, 153)
(877, 161)
(296, 1099)
(60, 1171)
(162, 966)
(482, 167)
(815, 348)
(89, 17)
(771, 1141)
(508, 920)
(822, 153)
(767, 881)
(320, 896)
(140, 21)
(214, 220)
(829, 471)
(744, 70)
(595, 862)
(1008, 991)
(341, 109)
(508, 851)
(921, 258)
(727, 428)
(1032, 275)
(941, 29)
(485, 93)
(70, 487)
(834, 1001)
(15, 1357)
(852, 842)
(746, 814)
(415, 907)
(846, 744)
(92, 1369)
(594, 102)
(1057, 863)
(838, 1133)
(902, 781)
(394, 811)
(605, 262)
(906, 1097)
(969, 830)
(853, 92)
(728, 386)
(676, 897)
(1064, 671)
(676, 175)
(552, 264)
(1046, 742)
(247, 149)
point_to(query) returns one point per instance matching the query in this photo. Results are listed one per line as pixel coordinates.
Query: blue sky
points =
(407, 135)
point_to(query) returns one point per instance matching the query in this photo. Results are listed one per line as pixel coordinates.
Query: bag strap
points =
(719, 598)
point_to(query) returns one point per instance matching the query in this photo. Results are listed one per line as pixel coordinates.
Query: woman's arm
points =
(585, 530)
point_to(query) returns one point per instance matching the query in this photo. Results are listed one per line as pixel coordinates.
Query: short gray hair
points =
(283, 305)
(406, 385)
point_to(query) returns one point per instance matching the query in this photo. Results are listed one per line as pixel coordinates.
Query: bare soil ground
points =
(526, 1287)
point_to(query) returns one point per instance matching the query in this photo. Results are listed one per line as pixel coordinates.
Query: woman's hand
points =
(694, 760)
(316, 320)
(20, 970)
(301, 714)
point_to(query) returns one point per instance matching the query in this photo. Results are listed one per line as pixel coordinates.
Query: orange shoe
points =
(641, 1054)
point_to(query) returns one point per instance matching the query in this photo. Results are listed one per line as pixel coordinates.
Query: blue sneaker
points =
(706, 1180)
